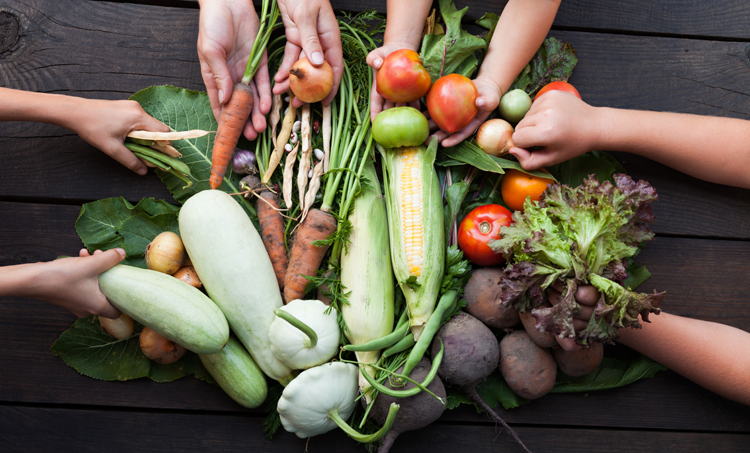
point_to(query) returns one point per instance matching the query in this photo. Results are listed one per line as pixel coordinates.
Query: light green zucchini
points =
(231, 261)
(237, 374)
(167, 305)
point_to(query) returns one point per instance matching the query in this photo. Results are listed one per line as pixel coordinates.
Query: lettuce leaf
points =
(577, 236)
(553, 61)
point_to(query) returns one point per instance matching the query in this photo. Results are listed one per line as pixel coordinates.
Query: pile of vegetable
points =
(351, 275)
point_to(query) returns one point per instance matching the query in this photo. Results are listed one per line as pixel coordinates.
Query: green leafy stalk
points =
(261, 40)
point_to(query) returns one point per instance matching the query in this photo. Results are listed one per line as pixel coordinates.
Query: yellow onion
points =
(165, 253)
(158, 348)
(187, 274)
(495, 137)
(120, 328)
(308, 83)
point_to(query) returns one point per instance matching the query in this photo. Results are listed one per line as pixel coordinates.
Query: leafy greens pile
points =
(580, 236)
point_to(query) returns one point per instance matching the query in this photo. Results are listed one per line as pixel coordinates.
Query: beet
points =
(415, 412)
(471, 354)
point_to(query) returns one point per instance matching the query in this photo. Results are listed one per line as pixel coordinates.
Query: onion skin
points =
(158, 348)
(308, 83)
(166, 253)
(120, 328)
(187, 274)
(495, 137)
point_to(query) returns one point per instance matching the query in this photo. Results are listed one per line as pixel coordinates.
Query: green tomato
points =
(400, 126)
(514, 104)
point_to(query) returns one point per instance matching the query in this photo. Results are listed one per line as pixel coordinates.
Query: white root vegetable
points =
(288, 174)
(304, 163)
(281, 141)
(168, 136)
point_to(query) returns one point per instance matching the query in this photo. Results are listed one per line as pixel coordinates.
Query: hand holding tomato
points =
(402, 78)
(558, 86)
(562, 125)
(487, 100)
(517, 186)
(376, 59)
(478, 228)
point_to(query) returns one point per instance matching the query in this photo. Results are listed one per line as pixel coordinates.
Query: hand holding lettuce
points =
(580, 236)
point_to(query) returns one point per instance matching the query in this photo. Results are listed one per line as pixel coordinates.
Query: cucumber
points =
(167, 305)
(237, 374)
(231, 260)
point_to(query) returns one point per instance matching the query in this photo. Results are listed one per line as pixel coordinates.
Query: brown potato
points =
(543, 339)
(529, 369)
(580, 362)
(482, 293)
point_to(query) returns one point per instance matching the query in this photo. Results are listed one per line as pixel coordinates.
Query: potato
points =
(580, 362)
(529, 369)
(543, 339)
(482, 293)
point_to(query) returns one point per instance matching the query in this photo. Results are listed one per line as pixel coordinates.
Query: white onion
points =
(494, 137)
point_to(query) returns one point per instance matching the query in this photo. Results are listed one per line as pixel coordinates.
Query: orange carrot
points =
(234, 115)
(272, 233)
(305, 258)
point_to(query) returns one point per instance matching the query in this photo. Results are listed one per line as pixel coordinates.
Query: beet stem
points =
(474, 396)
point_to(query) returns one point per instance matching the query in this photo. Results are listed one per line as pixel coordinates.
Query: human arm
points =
(103, 124)
(520, 31)
(403, 30)
(311, 27)
(711, 148)
(712, 355)
(70, 283)
(226, 32)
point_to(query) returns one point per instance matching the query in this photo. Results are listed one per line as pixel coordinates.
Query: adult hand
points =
(73, 283)
(227, 31)
(375, 60)
(487, 100)
(311, 27)
(587, 297)
(561, 124)
(105, 124)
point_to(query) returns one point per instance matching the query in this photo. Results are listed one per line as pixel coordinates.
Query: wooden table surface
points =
(677, 55)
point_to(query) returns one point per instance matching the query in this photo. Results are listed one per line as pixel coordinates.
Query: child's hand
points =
(105, 124)
(73, 283)
(375, 60)
(587, 297)
(487, 101)
(562, 124)
(311, 27)
(227, 31)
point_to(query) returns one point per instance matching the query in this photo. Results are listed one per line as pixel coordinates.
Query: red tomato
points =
(559, 85)
(452, 102)
(402, 78)
(517, 185)
(480, 227)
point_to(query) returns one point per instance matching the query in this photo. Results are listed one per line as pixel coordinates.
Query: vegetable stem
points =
(359, 437)
(304, 328)
(430, 329)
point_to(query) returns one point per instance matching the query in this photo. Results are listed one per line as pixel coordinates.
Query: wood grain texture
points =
(28, 429)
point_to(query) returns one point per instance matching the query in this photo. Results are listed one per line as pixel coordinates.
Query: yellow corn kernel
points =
(411, 210)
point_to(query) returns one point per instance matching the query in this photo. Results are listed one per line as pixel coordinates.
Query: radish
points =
(471, 354)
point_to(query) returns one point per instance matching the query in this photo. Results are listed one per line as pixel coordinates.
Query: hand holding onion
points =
(309, 83)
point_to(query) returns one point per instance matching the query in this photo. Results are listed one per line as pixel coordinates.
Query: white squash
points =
(297, 349)
(228, 254)
(323, 397)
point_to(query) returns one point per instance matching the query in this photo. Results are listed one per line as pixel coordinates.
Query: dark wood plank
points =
(670, 74)
(31, 429)
(30, 373)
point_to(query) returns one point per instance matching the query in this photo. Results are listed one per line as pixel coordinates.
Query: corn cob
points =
(366, 272)
(415, 225)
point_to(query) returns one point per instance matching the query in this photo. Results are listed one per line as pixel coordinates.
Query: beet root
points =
(416, 411)
(482, 295)
(528, 368)
(471, 354)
